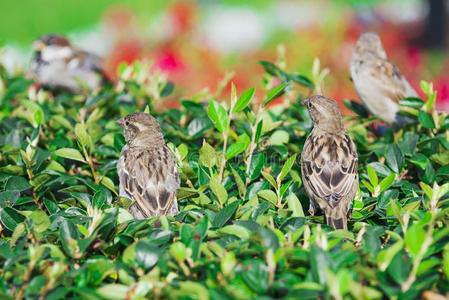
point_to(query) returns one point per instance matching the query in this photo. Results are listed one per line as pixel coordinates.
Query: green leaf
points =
(178, 251)
(412, 102)
(387, 182)
(225, 214)
(274, 93)
(446, 261)
(10, 218)
(255, 275)
(287, 167)
(414, 239)
(236, 230)
(228, 263)
(218, 189)
(426, 120)
(256, 166)
(147, 254)
(372, 176)
(169, 87)
(279, 137)
(218, 115)
(17, 183)
(420, 160)
(270, 179)
(385, 256)
(40, 220)
(109, 184)
(358, 108)
(394, 158)
(244, 100)
(238, 147)
(319, 263)
(208, 155)
(82, 136)
(113, 291)
(238, 180)
(70, 153)
(269, 196)
(295, 205)
(189, 288)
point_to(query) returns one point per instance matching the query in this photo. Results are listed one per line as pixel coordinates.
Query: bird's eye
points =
(309, 104)
(126, 123)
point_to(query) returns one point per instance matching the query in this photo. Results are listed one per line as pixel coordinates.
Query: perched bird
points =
(146, 168)
(329, 163)
(379, 83)
(56, 64)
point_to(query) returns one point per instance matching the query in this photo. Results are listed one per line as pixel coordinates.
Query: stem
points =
(417, 261)
(20, 294)
(91, 165)
(223, 155)
(252, 146)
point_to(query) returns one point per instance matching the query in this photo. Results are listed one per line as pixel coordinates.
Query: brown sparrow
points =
(329, 163)
(379, 83)
(56, 64)
(146, 168)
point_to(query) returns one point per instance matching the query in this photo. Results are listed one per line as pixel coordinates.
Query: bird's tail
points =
(337, 223)
(337, 218)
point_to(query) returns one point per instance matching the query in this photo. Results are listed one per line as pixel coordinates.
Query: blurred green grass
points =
(23, 21)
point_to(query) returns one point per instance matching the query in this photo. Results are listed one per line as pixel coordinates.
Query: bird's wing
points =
(390, 80)
(151, 178)
(329, 166)
(86, 60)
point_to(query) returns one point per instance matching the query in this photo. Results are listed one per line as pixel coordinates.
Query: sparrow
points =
(146, 168)
(57, 65)
(378, 82)
(329, 163)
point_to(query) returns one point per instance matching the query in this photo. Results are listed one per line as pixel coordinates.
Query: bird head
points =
(141, 129)
(51, 47)
(370, 43)
(324, 113)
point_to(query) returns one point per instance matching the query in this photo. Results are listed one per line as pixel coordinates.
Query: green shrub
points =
(242, 232)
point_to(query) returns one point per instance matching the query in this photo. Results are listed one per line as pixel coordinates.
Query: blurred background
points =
(196, 43)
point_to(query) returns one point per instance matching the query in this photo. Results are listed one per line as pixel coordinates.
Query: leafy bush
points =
(242, 232)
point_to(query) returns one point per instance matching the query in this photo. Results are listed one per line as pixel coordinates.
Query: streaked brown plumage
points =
(378, 82)
(147, 169)
(56, 64)
(329, 163)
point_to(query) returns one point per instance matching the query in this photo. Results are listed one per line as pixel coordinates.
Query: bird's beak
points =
(121, 122)
(38, 46)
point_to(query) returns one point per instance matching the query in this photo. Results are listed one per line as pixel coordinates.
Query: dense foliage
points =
(242, 232)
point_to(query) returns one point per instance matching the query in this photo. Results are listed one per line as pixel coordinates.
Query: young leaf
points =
(372, 176)
(275, 92)
(414, 239)
(82, 135)
(218, 115)
(244, 100)
(287, 167)
(387, 182)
